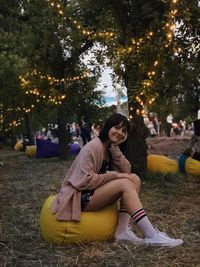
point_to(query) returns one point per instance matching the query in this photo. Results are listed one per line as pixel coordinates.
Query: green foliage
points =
(49, 43)
(34, 36)
(177, 60)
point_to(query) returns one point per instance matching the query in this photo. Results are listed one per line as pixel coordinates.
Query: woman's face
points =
(117, 134)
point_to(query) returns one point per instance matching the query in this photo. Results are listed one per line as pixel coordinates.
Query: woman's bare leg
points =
(124, 217)
(111, 192)
(136, 182)
(125, 189)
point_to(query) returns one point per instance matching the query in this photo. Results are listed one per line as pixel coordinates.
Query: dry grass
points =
(172, 203)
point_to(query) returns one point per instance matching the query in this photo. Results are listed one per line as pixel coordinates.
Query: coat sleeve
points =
(120, 163)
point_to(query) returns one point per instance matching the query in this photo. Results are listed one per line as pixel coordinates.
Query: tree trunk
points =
(137, 148)
(63, 132)
(29, 131)
(13, 137)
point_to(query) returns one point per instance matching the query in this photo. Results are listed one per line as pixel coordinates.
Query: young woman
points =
(99, 176)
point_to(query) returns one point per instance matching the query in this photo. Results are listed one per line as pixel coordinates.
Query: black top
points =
(106, 166)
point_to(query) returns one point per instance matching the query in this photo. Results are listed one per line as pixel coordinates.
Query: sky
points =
(106, 78)
(106, 81)
(105, 85)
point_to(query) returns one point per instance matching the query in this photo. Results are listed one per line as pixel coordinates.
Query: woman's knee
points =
(121, 183)
(126, 184)
(136, 181)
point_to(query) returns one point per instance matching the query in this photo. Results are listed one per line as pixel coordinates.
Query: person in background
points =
(77, 130)
(153, 119)
(198, 114)
(194, 144)
(169, 121)
(95, 130)
(85, 131)
(182, 125)
(101, 175)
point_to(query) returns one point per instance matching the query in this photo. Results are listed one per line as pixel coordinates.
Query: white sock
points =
(123, 222)
(143, 222)
(147, 227)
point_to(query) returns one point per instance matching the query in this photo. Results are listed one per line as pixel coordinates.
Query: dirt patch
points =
(168, 146)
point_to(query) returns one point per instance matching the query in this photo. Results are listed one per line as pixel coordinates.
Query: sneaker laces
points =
(129, 235)
(164, 235)
(128, 228)
(161, 238)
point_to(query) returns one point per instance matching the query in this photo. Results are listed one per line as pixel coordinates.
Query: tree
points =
(12, 63)
(179, 75)
(133, 22)
(142, 47)
(53, 69)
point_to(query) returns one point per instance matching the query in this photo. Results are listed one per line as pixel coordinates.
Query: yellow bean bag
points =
(19, 146)
(31, 151)
(97, 225)
(159, 163)
(192, 166)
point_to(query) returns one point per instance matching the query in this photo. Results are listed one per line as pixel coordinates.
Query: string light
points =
(147, 84)
(170, 25)
(52, 80)
(6, 112)
(53, 96)
(83, 30)
(136, 43)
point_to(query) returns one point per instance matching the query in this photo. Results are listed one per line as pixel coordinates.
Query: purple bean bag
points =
(46, 149)
(74, 149)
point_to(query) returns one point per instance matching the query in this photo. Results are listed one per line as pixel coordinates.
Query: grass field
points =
(172, 202)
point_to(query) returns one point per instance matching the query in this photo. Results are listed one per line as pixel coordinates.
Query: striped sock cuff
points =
(138, 215)
(122, 209)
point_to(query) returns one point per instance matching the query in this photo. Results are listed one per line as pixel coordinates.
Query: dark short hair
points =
(113, 120)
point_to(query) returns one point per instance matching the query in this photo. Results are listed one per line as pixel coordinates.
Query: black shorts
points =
(85, 198)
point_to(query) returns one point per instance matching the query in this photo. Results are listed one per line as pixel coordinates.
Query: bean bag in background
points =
(192, 166)
(19, 146)
(95, 225)
(46, 149)
(162, 164)
(181, 162)
(74, 149)
(31, 151)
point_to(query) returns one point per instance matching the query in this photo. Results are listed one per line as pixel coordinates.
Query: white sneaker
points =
(162, 239)
(128, 235)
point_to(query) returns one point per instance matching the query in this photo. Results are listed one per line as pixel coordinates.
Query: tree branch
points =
(78, 52)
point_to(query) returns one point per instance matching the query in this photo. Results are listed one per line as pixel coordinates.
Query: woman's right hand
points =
(133, 178)
(129, 176)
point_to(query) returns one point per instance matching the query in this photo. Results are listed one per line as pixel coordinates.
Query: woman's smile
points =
(117, 134)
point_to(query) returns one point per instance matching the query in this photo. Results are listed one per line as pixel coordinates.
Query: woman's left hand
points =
(121, 141)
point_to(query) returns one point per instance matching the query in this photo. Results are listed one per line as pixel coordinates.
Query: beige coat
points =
(83, 175)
